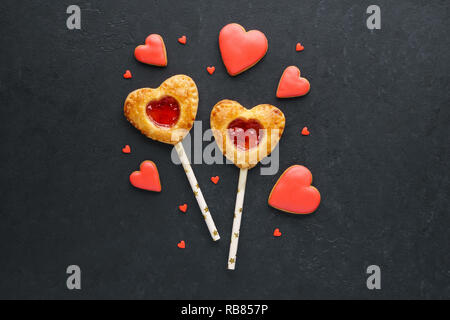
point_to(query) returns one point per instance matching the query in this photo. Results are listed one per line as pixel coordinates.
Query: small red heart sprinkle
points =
(299, 47)
(305, 131)
(277, 233)
(292, 84)
(182, 40)
(183, 207)
(181, 244)
(211, 69)
(126, 149)
(215, 179)
(127, 74)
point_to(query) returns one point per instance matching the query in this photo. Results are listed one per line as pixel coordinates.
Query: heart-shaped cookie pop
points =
(245, 137)
(166, 114)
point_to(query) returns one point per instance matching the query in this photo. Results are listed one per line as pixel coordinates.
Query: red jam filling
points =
(246, 134)
(164, 112)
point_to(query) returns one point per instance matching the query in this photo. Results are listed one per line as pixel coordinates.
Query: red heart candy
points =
(126, 149)
(277, 233)
(305, 131)
(215, 179)
(211, 69)
(147, 178)
(127, 74)
(291, 84)
(182, 40)
(293, 192)
(241, 50)
(183, 208)
(181, 244)
(299, 47)
(153, 52)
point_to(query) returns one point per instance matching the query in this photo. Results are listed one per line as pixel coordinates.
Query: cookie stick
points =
(245, 137)
(197, 192)
(237, 218)
(166, 114)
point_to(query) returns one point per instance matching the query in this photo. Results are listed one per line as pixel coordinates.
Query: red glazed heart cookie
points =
(147, 178)
(153, 52)
(166, 113)
(293, 192)
(246, 136)
(241, 50)
(291, 84)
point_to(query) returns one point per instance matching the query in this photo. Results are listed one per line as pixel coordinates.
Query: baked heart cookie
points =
(293, 192)
(166, 113)
(291, 84)
(246, 136)
(241, 49)
(147, 177)
(153, 52)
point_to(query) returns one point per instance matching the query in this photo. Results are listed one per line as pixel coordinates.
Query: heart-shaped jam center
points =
(164, 112)
(246, 134)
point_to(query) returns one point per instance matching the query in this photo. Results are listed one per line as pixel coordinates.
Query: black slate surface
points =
(378, 113)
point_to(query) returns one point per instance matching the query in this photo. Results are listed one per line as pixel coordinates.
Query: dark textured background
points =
(378, 113)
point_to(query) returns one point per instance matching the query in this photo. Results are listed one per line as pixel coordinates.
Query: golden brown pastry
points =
(246, 136)
(166, 113)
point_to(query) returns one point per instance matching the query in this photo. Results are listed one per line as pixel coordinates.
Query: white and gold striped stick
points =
(237, 218)
(197, 192)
